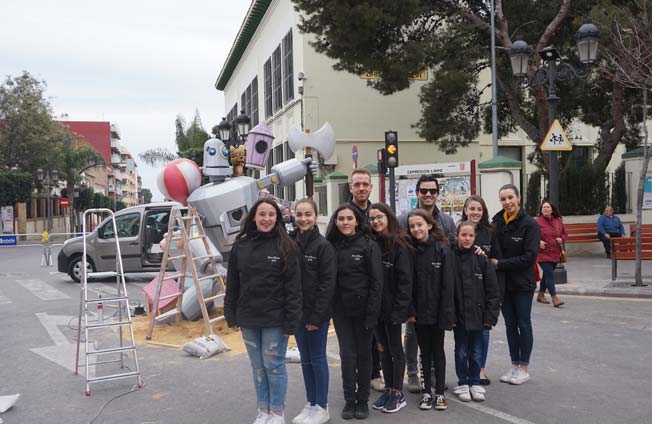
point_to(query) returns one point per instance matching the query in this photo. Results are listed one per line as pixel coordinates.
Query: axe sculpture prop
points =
(322, 140)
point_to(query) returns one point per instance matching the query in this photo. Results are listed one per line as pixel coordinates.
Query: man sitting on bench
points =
(609, 225)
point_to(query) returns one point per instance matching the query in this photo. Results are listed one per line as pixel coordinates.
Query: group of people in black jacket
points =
(372, 275)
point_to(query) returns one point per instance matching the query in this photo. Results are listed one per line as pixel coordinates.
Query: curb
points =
(605, 293)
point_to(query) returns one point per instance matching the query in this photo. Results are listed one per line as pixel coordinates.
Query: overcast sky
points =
(134, 63)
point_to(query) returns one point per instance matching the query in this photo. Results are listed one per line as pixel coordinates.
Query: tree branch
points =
(552, 27)
(517, 114)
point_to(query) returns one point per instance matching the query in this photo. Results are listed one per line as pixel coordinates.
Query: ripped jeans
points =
(266, 348)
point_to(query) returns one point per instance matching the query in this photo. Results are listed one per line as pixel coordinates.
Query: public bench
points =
(646, 230)
(582, 233)
(624, 249)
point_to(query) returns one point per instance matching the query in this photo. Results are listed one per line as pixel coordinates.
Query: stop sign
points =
(64, 202)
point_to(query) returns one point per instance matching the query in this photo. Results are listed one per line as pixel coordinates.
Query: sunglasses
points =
(425, 191)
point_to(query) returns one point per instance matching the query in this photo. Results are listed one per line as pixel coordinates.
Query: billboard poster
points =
(453, 192)
(7, 223)
(647, 193)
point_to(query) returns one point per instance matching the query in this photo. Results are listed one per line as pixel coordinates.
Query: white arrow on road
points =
(62, 352)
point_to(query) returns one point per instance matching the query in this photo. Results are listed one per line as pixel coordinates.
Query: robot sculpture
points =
(225, 200)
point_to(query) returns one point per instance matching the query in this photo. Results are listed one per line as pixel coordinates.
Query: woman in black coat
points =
(397, 295)
(263, 299)
(357, 304)
(318, 274)
(517, 237)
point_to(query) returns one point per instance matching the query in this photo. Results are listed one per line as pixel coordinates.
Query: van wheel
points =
(75, 268)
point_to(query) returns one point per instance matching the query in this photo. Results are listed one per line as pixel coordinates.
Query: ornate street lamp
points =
(224, 130)
(551, 71)
(242, 122)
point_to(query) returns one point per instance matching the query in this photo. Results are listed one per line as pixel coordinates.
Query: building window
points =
(291, 190)
(268, 88)
(230, 117)
(270, 164)
(288, 82)
(512, 152)
(277, 80)
(580, 155)
(249, 101)
(278, 158)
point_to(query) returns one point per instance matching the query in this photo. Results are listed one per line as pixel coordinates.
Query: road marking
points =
(42, 290)
(62, 353)
(4, 300)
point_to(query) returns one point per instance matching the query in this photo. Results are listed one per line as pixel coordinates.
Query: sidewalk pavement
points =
(591, 276)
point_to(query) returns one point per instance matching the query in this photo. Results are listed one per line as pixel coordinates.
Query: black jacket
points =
(259, 292)
(518, 242)
(318, 275)
(477, 298)
(398, 267)
(434, 284)
(359, 278)
(486, 239)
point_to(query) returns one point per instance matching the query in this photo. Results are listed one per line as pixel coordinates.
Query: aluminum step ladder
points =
(120, 301)
(184, 229)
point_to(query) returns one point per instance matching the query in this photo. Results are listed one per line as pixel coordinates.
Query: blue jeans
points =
(485, 348)
(266, 348)
(517, 312)
(468, 347)
(548, 278)
(312, 345)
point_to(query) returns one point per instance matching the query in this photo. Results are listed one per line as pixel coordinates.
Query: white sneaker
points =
(318, 415)
(262, 418)
(520, 376)
(275, 419)
(463, 393)
(303, 415)
(477, 393)
(378, 384)
(507, 377)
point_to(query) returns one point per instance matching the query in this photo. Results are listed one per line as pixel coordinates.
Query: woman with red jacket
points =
(553, 236)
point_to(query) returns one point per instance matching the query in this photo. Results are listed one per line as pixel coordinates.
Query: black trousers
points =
(431, 343)
(355, 356)
(392, 356)
(375, 358)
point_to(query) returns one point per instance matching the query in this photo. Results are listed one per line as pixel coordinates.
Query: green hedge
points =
(581, 191)
(15, 187)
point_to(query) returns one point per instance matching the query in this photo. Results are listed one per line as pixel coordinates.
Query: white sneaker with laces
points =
(505, 378)
(477, 393)
(520, 377)
(275, 419)
(262, 418)
(318, 415)
(303, 415)
(463, 393)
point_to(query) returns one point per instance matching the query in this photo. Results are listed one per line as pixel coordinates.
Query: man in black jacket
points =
(428, 193)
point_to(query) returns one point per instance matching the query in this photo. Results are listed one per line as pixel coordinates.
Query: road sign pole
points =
(392, 190)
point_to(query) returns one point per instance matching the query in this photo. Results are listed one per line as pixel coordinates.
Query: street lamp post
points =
(550, 72)
(49, 180)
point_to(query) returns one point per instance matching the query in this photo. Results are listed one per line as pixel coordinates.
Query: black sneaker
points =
(440, 403)
(380, 402)
(426, 401)
(361, 409)
(349, 410)
(395, 402)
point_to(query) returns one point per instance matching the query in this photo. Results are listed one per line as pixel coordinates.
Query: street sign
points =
(556, 139)
(354, 155)
(64, 202)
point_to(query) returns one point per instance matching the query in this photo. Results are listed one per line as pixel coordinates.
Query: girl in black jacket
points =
(432, 309)
(318, 274)
(517, 237)
(397, 295)
(477, 303)
(475, 210)
(263, 299)
(357, 304)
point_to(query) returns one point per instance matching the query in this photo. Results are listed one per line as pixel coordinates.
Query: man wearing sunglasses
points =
(427, 193)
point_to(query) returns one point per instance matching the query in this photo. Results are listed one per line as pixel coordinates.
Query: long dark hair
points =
(395, 234)
(436, 232)
(286, 246)
(555, 209)
(484, 221)
(333, 233)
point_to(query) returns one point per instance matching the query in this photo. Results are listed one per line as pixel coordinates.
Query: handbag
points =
(563, 258)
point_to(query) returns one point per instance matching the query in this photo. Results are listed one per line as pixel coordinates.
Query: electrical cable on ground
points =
(133, 389)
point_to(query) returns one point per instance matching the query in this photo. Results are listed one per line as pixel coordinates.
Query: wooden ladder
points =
(183, 229)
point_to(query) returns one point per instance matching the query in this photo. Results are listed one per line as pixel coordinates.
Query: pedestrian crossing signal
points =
(556, 140)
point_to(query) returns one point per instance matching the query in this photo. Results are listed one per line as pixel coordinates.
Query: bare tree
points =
(630, 64)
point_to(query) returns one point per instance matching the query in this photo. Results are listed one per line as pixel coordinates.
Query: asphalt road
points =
(591, 364)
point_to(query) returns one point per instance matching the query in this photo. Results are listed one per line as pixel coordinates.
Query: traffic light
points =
(391, 147)
(382, 161)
